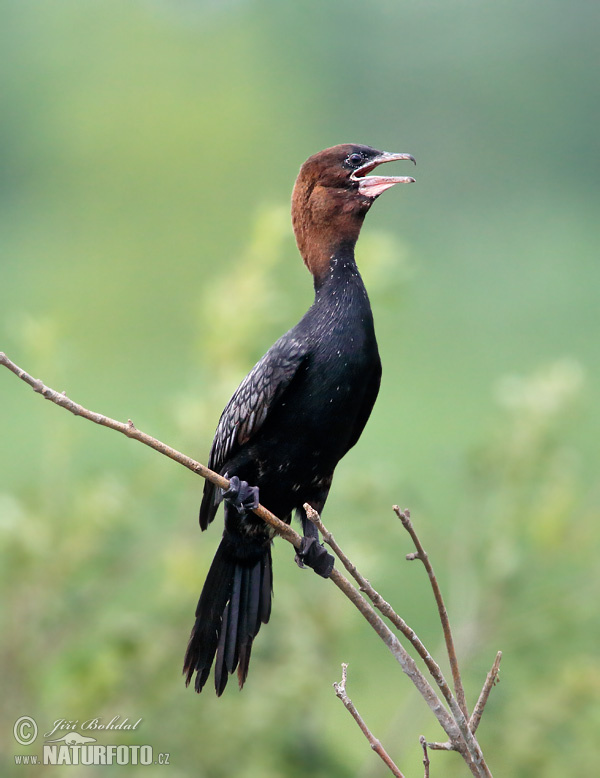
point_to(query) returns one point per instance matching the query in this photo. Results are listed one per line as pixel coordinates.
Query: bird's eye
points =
(354, 159)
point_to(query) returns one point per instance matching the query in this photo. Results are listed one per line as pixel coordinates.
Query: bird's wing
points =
(247, 410)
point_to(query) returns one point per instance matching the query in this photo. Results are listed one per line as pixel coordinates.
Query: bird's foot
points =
(312, 554)
(244, 498)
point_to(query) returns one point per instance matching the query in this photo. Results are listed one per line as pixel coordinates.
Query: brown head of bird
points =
(331, 197)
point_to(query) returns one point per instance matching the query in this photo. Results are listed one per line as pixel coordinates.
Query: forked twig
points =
(385, 608)
(340, 690)
(421, 554)
(490, 681)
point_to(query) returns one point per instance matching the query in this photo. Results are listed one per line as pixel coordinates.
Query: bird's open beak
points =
(373, 186)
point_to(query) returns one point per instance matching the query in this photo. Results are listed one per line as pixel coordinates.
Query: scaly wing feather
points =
(247, 410)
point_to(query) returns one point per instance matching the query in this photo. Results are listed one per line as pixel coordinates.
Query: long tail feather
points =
(235, 601)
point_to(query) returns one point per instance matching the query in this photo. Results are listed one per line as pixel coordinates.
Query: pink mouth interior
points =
(373, 186)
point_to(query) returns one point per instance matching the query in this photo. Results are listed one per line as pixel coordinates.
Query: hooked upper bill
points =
(373, 186)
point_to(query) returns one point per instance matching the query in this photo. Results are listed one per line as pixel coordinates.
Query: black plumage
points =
(297, 412)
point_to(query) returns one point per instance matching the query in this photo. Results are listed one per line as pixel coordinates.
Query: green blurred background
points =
(148, 153)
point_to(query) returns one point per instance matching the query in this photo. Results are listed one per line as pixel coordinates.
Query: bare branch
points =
(485, 693)
(340, 690)
(382, 605)
(421, 554)
(467, 745)
(455, 725)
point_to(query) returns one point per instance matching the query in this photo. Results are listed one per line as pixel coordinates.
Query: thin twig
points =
(128, 428)
(434, 746)
(455, 726)
(485, 693)
(423, 743)
(340, 690)
(421, 554)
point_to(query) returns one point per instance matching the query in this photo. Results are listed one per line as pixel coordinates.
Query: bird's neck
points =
(326, 225)
(340, 316)
(337, 274)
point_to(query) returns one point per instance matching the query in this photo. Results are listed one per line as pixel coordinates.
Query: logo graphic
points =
(73, 748)
(73, 739)
(25, 730)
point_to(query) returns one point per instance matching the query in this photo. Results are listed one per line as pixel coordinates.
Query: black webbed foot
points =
(244, 498)
(312, 554)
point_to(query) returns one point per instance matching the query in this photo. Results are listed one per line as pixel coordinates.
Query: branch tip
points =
(423, 743)
(490, 682)
(402, 513)
(340, 690)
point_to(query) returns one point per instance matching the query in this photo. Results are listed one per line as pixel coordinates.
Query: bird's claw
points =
(312, 554)
(244, 498)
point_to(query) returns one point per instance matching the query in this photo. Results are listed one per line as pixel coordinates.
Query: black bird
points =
(294, 416)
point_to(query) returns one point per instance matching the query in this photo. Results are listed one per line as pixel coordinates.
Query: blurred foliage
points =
(148, 150)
